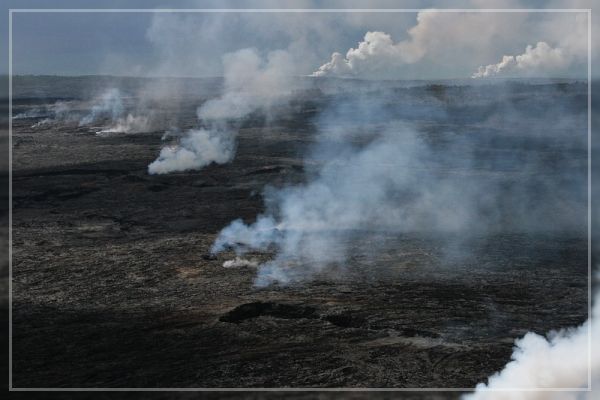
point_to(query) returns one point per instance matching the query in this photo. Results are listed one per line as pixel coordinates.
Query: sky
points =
(426, 45)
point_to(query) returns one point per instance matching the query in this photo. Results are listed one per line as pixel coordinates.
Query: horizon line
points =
(466, 78)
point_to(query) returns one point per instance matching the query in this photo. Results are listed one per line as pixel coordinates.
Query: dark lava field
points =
(114, 284)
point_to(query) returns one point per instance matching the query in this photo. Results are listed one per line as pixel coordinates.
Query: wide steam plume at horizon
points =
(433, 38)
(536, 60)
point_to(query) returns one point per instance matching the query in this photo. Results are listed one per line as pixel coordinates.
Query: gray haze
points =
(376, 169)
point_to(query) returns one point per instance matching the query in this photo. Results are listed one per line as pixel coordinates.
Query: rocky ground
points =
(114, 285)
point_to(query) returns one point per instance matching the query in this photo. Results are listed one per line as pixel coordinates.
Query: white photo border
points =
(299, 10)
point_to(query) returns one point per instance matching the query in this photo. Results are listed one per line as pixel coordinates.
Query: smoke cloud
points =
(376, 54)
(239, 262)
(251, 84)
(129, 124)
(435, 44)
(353, 190)
(59, 111)
(197, 149)
(434, 37)
(108, 105)
(559, 360)
(537, 60)
(370, 172)
(107, 108)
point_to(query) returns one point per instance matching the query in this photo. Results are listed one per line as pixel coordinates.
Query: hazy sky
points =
(407, 45)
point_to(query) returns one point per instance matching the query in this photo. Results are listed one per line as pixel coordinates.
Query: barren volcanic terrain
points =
(115, 285)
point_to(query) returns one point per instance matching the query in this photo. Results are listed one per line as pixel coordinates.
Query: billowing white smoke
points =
(108, 105)
(196, 149)
(378, 56)
(378, 53)
(355, 189)
(455, 38)
(250, 85)
(558, 361)
(129, 124)
(239, 262)
(536, 60)
(370, 175)
(375, 53)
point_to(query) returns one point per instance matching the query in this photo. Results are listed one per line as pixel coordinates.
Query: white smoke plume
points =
(375, 53)
(108, 105)
(536, 60)
(250, 85)
(239, 262)
(379, 56)
(559, 360)
(366, 180)
(450, 41)
(129, 124)
(355, 189)
(42, 122)
(197, 149)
